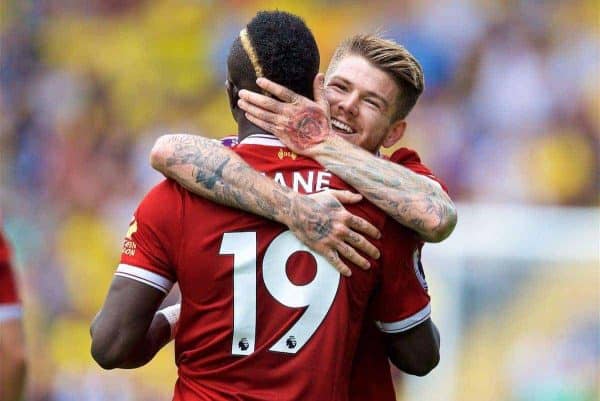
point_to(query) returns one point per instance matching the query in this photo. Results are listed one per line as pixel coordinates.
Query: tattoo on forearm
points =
(408, 198)
(210, 180)
(231, 182)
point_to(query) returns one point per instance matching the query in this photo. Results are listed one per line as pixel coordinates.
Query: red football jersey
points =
(262, 318)
(411, 160)
(10, 307)
(371, 376)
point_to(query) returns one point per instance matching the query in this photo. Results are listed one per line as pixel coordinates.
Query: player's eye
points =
(338, 86)
(374, 103)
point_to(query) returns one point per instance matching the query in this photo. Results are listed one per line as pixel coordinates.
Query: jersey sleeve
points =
(150, 246)
(401, 301)
(10, 305)
(411, 160)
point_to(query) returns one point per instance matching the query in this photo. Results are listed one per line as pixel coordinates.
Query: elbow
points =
(158, 154)
(444, 226)
(418, 366)
(106, 357)
(425, 366)
(105, 348)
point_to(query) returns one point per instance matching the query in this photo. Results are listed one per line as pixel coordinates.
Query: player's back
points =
(275, 321)
(262, 318)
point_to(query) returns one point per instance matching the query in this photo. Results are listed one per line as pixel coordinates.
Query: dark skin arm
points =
(415, 351)
(128, 332)
(12, 360)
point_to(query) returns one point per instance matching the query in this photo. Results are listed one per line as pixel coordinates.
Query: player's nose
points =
(349, 103)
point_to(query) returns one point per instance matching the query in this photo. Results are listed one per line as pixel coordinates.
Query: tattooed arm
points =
(411, 199)
(212, 171)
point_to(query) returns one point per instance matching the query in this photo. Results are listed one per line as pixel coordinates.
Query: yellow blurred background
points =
(509, 120)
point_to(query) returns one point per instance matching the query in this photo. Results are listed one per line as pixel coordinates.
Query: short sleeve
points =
(10, 305)
(150, 247)
(401, 301)
(411, 160)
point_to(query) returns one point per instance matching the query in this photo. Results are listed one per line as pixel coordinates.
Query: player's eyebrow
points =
(367, 93)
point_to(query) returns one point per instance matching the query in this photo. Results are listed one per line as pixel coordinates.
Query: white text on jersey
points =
(305, 180)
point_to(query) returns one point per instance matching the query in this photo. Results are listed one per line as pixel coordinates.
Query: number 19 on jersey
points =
(317, 296)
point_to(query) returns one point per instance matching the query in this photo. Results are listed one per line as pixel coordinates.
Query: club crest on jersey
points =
(132, 229)
(286, 153)
(128, 245)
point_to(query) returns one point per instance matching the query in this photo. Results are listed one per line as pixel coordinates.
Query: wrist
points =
(171, 314)
(285, 215)
(324, 149)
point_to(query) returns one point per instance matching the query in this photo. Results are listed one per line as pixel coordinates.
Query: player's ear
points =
(232, 95)
(395, 133)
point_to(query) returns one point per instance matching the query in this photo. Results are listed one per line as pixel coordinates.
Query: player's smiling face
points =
(362, 100)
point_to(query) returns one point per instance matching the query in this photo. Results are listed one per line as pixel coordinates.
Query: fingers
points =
(272, 128)
(361, 244)
(319, 89)
(352, 255)
(337, 263)
(277, 90)
(258, 112)
(361, 225)
(261, 101)
(345, 196)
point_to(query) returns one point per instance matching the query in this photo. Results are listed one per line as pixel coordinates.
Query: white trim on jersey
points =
(405, 324)
(10, 311)
(145, 276)
(262, 139)
(418, 268)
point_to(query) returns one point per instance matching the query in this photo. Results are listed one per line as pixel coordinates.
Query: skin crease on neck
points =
(362, 98)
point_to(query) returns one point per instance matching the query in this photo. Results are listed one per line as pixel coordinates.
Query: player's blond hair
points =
(391, 58)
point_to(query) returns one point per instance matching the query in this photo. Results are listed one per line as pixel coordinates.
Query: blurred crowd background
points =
(510, 116)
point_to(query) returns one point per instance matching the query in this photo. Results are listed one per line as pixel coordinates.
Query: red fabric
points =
(182, 238)
(8, 288)
(411, 160)
(371, 376)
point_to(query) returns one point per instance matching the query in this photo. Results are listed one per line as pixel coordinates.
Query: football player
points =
(371, 86)
(261, 316)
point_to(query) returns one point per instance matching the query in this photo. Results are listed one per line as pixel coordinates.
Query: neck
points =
(246, 128)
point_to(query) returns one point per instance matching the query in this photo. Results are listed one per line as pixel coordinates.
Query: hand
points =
(297, 121)
(324, 225)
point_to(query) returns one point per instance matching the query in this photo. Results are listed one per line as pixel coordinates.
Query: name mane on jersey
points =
(307, 181)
